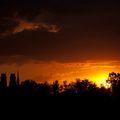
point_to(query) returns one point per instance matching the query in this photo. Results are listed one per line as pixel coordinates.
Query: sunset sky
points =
(60, 39)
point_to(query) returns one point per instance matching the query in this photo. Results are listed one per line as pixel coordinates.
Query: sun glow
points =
(100, 79)
(96, 72)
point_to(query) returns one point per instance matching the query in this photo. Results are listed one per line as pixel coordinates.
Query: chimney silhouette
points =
(3, 81)
(18, 79)
(12, 84)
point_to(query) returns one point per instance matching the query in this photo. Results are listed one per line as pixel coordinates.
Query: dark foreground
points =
(59, 108)
(76, 101)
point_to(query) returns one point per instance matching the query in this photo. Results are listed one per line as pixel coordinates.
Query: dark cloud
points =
(85, 30)
(16, 25)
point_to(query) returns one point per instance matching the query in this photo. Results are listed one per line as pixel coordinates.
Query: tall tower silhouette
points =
(12, 84)
(18, 78)
(3, 81)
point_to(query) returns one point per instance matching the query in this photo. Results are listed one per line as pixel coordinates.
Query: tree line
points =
(79, 88)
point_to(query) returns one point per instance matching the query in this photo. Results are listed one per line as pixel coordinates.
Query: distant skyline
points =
(54, 39)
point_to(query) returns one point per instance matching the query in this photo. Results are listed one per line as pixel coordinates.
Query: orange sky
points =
(82, 36)
(97, 71)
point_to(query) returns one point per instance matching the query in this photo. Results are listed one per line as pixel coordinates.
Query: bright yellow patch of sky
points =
(93, 70)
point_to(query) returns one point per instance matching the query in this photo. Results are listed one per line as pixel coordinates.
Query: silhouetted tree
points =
(56, 87)
(78, 86)
(28, 87)
(81, 88)
(44, 89)
(114, 81)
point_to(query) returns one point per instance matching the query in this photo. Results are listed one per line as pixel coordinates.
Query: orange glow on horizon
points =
(99, 79)
(95, 71)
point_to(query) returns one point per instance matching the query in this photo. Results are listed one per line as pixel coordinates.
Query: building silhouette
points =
(3, 81)
(18, 79)
(12, 83)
